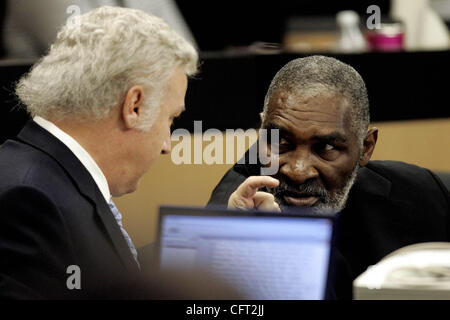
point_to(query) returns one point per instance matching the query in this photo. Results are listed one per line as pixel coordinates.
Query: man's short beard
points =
(327, 202)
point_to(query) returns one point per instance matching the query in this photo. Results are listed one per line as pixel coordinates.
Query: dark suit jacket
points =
(391, 205)
(52, 215)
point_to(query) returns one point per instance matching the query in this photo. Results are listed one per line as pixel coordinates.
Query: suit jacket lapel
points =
(39, 138)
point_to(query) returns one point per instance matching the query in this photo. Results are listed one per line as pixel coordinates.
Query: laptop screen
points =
(264, 257)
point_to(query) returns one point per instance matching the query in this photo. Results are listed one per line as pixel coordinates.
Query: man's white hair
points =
(91, 66)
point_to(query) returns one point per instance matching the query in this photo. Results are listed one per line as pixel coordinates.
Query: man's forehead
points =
(325, 110)
(325, 99)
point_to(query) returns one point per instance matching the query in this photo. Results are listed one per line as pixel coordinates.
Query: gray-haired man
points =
(102, 100)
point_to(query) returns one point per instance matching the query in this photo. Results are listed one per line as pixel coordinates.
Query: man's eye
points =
(325, 148)
(280, 146)
(281, 142)
(327, 151)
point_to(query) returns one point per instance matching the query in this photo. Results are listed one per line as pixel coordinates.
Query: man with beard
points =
(320, 107)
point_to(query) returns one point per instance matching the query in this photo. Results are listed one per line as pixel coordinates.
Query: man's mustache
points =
(308, 188)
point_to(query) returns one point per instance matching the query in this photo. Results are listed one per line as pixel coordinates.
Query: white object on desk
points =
(420, 271)
(425, 30)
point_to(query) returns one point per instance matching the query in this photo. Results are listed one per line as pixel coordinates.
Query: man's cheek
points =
(337, 179)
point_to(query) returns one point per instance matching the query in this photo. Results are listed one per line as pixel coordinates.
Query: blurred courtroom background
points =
(405, 63)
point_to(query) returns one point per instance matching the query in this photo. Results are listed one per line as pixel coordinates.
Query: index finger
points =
(251, 185)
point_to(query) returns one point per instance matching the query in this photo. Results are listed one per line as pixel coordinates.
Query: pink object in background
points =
(389, 37)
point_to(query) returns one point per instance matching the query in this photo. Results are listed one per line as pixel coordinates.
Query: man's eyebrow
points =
(273, 126)
(332, 137)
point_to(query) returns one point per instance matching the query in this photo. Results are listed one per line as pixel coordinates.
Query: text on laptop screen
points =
(262, 257)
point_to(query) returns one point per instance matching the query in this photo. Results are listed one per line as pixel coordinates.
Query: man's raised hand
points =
(247, 196)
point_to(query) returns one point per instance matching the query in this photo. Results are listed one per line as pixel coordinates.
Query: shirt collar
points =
(81, 153)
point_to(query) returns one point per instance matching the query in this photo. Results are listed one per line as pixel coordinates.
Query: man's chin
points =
(127, 189)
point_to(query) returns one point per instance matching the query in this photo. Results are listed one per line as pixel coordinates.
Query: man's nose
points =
(300, 168)
(167, 145)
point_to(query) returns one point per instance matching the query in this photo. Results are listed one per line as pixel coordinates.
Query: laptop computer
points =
(263, 255)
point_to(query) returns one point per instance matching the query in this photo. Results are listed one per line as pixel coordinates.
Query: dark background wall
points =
(229, 90)
(220, 24)
(2, 19)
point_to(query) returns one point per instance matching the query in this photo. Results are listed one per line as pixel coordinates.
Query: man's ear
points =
(132, 106)
(368, 146)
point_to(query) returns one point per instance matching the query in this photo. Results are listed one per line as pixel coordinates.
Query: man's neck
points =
(97, 138)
